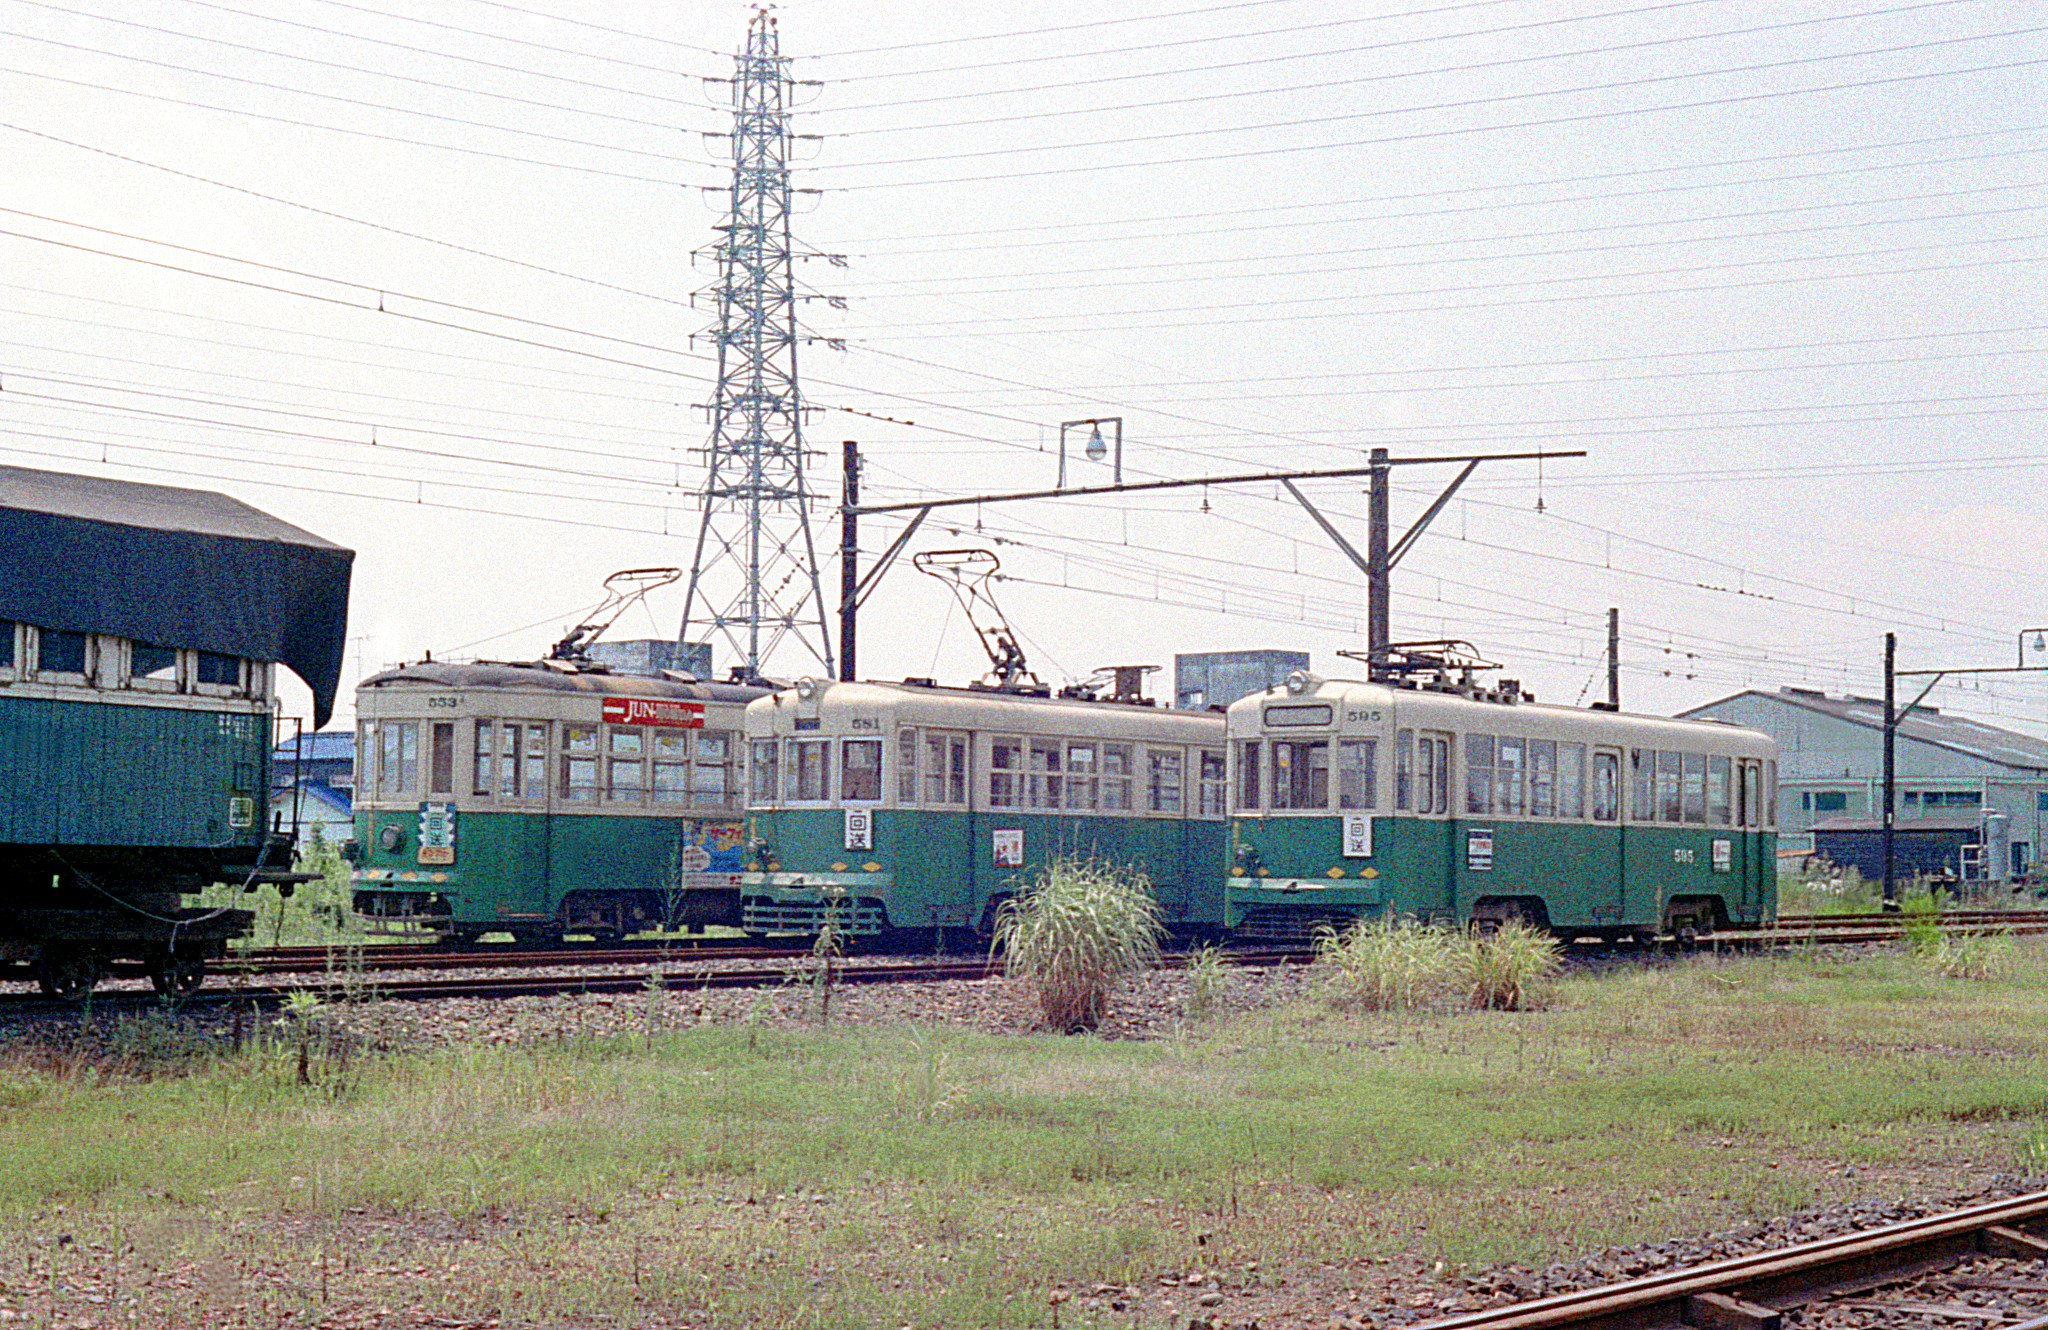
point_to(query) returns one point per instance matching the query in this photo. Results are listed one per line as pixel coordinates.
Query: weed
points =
(1980, 956)
(1208, 978)
(1075, 932)
(1502, 966)
(1391, 964)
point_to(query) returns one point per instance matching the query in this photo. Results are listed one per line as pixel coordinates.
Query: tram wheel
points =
(177, 974)
(67, 973)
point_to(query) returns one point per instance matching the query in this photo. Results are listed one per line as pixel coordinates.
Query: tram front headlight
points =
(1297, 682)
(806, 688)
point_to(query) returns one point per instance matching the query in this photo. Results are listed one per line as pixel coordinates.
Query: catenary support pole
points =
(1614, 657)
(1891, 736)
(1379, 580)
(849, 559)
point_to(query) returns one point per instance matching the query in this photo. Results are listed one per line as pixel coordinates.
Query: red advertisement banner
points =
(653, 711)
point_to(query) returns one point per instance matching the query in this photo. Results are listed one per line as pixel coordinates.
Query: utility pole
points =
(755, 541)
(849, 558)
(1891, 744)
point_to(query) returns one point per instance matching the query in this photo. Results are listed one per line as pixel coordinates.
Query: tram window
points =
(152, 666)
(1606, 786)
(810, 770)
(1358, 773)
(1693, 790)
(1162, 780)
(579, 763)
(534, 779)
(441, 771)
(482, 759)
(60, 652)
(366, 758)
(860, 771)
(1770, 794)
(767, 768)
(714, 769)
(509, 784)
(1006, 773)
(1642, 806)
(1670, 786)
(1404, 766)
(1248, 776)
(1045, 774)
(1542, 778)
(211, 667)
(670, 782)
(906, 766)
(1301, 773)
(399, 771)
(1433, 773)
(1081, 776)
(1116, 778)
(1571, 780)
(626, 765)
(1749, 797)
(1510, 763)
(8, 629)
(1210, 794)
(1479, 773)
(1717, 791)
(945, 768)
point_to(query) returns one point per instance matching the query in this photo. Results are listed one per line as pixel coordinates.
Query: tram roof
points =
(173, 568)
(987, 709)
(556, 677)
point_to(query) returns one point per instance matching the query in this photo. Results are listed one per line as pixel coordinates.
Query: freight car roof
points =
(174, 568)
(547, 677)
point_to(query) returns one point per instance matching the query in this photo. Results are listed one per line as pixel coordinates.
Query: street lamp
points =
(2040, 643)
(1095, 450)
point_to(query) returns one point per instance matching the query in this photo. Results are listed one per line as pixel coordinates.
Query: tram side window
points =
(1606, 786)
(1571, 780)
(211, 667)
(1749, 798)
(1358, 773)
(1116, 778)
(1163, 780)
(579, 763)
(714, 775)
(1479, 773)
(8, 629)
(1717, 791)
(366, 758)
(1045, 774)
(906, 767)
(1248, 775)
(860, 771)
(669, 766)
(1212, 784)
(1670, 786)
(60, 652)
(1771, 794)
(1642, 763)
(945, 768)
(767, 768)
(441, 770)
(1404, 767)
(1081, 775)
(535, 774)
(1301, 773)
(1006, 773)
(483, 759)
(151, 666)
(1542, 778)
(510, 761)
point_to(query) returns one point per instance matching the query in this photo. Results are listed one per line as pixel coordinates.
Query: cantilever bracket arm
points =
(874, 574)
(1364, 565)
(1401, 546)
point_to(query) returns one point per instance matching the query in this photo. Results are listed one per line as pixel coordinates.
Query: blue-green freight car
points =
(904, 810)
(1463, 805)
(140, 626)
(546, 798)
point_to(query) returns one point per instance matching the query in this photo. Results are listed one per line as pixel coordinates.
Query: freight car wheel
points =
(177, 974)
(67, 973)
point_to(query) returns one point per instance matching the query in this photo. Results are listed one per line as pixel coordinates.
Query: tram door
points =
(945, 840)
(1751, 846)
(1607, 846)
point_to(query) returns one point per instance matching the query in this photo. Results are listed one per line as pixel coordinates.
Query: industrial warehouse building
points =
(1972, 799)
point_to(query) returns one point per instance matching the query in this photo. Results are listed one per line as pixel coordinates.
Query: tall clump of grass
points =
(1503, 967)
(1390, 964)
(1075, 932)
(1981, 956)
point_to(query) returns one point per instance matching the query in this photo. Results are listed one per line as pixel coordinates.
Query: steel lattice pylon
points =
(757, 524)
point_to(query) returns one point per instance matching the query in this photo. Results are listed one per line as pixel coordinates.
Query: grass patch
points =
(748, 1175)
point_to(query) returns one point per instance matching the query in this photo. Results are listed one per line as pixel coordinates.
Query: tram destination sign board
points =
(654, 711)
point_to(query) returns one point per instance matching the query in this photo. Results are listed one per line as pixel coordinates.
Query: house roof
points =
(324, 746)
(1921, 724)
(314, 792)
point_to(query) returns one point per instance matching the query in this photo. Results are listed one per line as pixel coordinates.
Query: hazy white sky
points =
(419, 278)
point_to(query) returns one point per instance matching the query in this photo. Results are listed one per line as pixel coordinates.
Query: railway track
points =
(1999, 1245)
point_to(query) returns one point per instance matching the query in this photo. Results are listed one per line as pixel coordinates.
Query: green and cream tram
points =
(1354, 800)
(915, 808)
